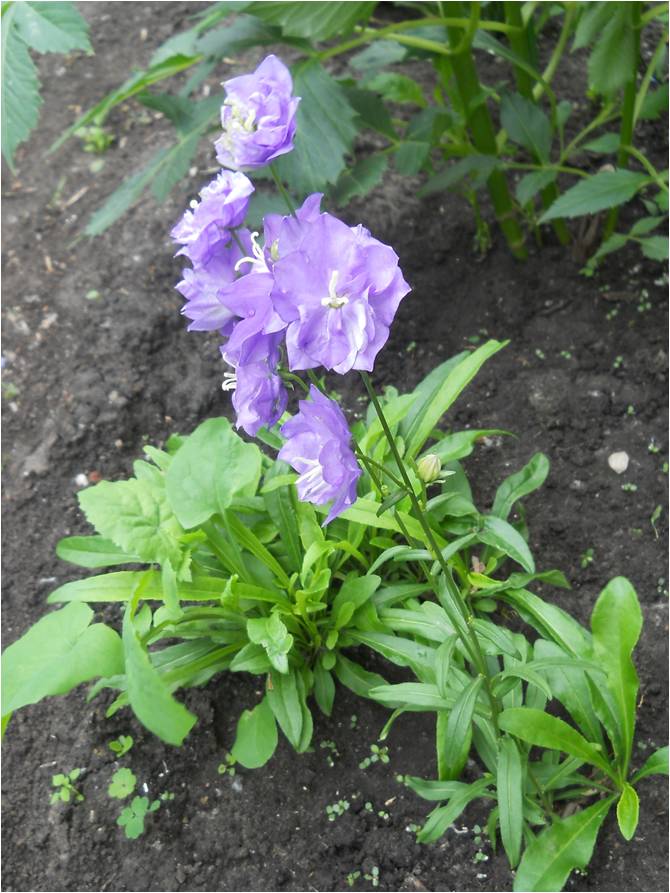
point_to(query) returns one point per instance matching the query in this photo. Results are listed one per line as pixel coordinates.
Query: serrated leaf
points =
(526, 124)
(607, 144)
(325, 130)
(256, 738)
(655, 247)
(371, 111)
(316, 21)
(606, 189)
(530, 184)
(411, 156)
(655, 103)
(21, 100)
(615, 41)
(52, 27)
(395, 87)
(359, 179)
(212, 466)
(378, 55)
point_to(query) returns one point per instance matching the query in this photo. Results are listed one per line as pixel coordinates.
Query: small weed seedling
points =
(566, 354)
(653, 447)
(133, 816)
(228, 766)
(333, 752)
(95, 139)
(65, 789)
(618, 362)
(122, 784)
(121, 745)
(540, 354)
(353, 721)
(335, 810)
(628, 487)
(352, 877)
(630, 409)
(655, 516)
(377, 755)
(586, 558)
(373, 877)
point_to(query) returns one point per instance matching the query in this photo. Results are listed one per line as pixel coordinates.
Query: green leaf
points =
(607, 144)
(357, 590)
(439, 391)
(476, 167)
(136, 515)
(655, 247)
(280, 503)
(530, 184)
(324, 688)
(52, 27)
(565, 845)
(526, 124)
(616, 623)
(593, 19)
(543, 730)
(440, 819)
(418, 696)
(628, 811)
(122, 784)
(256, 738)
(378, 55)
(616, 41)
(655, 103)
(211, 467)
(21, 98)
(606, 189)
(656, 764)
(59, 652)
(355, 678)
(284, 698)
(400, 651)
(371, 110)
(455, 748)
(510, 786)
(325, 130)
(395, 87)
(411, 156)
(550, 621)
(520, 484)
(316, 21)
(92, 551)
(502, 536)
(359, 179)
(148, 694)
(119, 587)
(460, 444)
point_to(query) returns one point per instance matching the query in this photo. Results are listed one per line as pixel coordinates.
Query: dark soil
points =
(585, 375)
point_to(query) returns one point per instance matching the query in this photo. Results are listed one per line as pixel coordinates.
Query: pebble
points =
(81, 480)
(618, 462)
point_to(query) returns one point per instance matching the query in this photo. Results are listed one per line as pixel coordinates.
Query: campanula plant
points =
(362, 535)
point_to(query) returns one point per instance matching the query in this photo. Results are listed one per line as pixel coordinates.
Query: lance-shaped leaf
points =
(566, 845)
(628, 811)
(606, 189)
(440, 819)
(520, 484)
(657, 764)
(616, 623)
(510, 785)
(502, 536)
(453, 750)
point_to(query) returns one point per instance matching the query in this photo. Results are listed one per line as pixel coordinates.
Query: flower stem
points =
(464, 628)
(282, 190)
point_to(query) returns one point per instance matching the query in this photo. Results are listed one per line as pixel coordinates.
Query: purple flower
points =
(206, 285)
(339, 293)
(318, 447)
(257, 116)
(222, 206)
(260, 397)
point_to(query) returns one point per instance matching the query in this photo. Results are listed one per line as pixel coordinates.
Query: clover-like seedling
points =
(122, 784)
(586, 558)
(133, 816)
(121, 745)
(377, 755)
(373, 877)
(228, 765)
(337, 809)
(65, 789)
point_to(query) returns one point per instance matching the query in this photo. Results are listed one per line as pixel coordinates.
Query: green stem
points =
(648, 75)
(282, 190)
(471, 642)
(520, 42)
(552, 65)
(483, 137)
(628, 111)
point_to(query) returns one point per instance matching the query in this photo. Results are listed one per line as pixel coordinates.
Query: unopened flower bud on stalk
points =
(429, 468)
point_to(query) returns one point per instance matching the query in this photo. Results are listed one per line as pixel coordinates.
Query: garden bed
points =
(100, 363)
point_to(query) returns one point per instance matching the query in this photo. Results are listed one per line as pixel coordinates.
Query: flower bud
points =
(429, 468)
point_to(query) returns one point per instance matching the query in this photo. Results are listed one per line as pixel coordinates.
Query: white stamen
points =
(229, 381)
(334, 300)
(193, 203)
(258, 256)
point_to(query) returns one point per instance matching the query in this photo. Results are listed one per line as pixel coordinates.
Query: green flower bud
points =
(429, 468)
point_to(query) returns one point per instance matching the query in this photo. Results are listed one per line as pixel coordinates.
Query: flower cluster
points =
(314, 293)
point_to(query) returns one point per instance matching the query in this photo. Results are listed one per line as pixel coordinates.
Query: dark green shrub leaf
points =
(410, 157)
(395, 87)
(606, 189)
(359, 179)
(530, 184)
(315, 21)
(526, 124)
(378, 55)
(655, 247)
